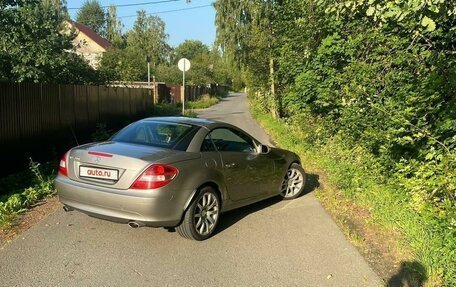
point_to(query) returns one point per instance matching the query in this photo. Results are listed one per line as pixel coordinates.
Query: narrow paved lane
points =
(235, 110)
(272, 243)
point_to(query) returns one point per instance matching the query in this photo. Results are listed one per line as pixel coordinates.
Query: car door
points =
(247, 172)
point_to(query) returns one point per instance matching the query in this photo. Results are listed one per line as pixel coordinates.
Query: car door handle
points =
(230, 165)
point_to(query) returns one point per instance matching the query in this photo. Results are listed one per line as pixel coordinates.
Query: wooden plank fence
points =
(43, 120)
(171, 93)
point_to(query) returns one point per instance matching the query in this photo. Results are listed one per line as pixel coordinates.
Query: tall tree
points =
(148, 38)
(93, 16)
(190, 49)
(114, 27)
(33, 47)
(208, 66)
(245, 32)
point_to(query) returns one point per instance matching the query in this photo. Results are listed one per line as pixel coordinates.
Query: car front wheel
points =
(201, 218)
(293, 182)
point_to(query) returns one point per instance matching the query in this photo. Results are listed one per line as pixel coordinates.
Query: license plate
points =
(99, 173)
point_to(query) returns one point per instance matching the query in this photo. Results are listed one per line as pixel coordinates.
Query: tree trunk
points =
(274, 108)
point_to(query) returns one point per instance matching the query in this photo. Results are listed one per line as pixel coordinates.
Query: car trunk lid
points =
(113, 164)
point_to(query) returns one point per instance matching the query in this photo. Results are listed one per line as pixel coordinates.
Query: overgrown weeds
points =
(165, 109)
(41, 186)
(431, 237)
(205, 102)
(173, 109)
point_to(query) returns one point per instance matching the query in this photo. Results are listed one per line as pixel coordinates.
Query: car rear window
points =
(157, 134)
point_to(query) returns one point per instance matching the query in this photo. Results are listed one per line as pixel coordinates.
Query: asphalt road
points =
(272, 243)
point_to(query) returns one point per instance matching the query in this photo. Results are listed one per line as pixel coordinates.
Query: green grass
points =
(38, 184)
(205, 102)
(432, 244)
(164, 109)
(161, 110)
(14, 183)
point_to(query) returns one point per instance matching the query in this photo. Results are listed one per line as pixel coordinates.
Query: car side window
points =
(225, 139)
(207, 144)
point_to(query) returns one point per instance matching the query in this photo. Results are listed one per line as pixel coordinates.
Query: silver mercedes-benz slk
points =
(175, 172)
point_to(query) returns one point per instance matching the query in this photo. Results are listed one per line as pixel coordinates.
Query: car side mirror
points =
(264, 149)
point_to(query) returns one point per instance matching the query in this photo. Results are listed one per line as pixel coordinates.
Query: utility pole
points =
(154, 89)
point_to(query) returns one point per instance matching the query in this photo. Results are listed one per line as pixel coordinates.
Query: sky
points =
(196, 23)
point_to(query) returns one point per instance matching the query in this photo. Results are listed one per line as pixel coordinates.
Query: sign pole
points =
(183, 91)
(184, 66)
(148, 70)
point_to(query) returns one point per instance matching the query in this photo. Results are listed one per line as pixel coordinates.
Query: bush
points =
(357, 174)
(203, 103)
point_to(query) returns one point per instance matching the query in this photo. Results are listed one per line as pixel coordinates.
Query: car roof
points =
(185, 120)
(207, 124)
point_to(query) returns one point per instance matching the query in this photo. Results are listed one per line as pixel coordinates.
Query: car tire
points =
(201, 217)
(294, 182)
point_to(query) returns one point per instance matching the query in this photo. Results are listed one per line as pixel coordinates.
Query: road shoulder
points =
(28, 219)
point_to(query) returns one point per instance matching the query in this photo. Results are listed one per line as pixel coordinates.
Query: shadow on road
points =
(312, 183)
(232, 217)
(411, 274)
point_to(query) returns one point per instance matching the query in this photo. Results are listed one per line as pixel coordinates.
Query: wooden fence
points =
(170, 93)
(43, 120)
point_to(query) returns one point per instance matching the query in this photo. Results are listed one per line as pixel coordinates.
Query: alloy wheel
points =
(206, 213)
(292, 183)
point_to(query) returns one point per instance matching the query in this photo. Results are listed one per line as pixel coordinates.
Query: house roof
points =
(92, 35)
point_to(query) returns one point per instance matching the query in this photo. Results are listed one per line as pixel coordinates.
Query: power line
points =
(169, 11)
(134, 4)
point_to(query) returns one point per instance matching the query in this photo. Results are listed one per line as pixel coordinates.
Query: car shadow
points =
(312, 183)
(410, 274)
(230, 218)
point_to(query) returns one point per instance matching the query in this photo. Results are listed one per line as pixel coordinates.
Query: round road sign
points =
(184, 65)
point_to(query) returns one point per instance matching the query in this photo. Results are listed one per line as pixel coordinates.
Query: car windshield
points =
(159, 134)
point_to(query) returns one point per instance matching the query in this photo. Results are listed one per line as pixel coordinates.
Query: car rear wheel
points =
(293, 182)
(201, 218)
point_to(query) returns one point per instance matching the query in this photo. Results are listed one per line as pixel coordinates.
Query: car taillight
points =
(155, 176)
(63, 165)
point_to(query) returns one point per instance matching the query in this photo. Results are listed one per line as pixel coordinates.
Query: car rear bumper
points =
(159, 209)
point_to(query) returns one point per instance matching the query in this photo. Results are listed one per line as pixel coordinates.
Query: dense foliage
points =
(207, 66)
(36, 45)
(25, 194)
(93, 16)
(114, 28)
(127, 61)
(375, 80)
(190, 49)
(33, 47)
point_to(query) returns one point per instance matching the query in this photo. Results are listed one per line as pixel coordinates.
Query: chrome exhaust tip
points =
(135, 224)
(67, 208)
